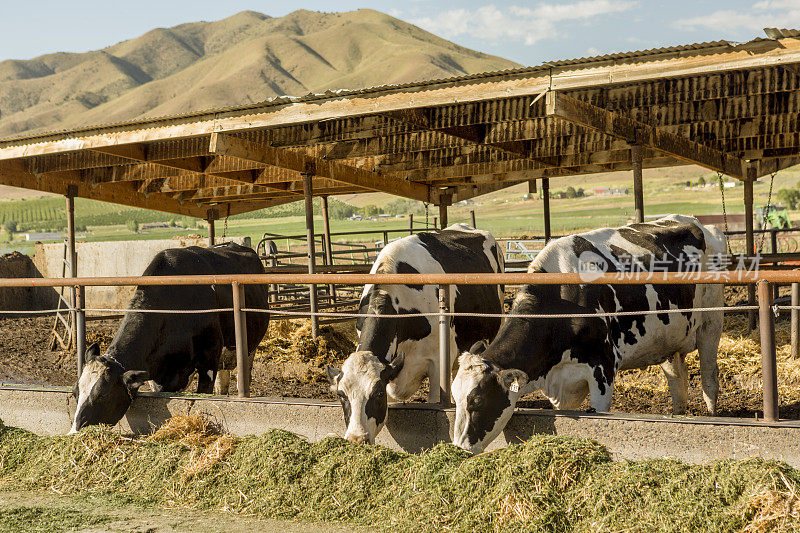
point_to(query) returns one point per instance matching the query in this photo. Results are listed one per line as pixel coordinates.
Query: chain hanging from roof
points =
(225, 225)
(765, 212)
(724, 210)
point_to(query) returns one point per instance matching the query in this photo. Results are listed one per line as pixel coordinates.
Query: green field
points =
(505, 213)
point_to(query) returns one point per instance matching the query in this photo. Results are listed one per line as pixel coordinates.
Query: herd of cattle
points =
(495, 361)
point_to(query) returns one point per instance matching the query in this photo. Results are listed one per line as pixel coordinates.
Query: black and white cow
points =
(394, 354)
(566, 358)
(166, 349)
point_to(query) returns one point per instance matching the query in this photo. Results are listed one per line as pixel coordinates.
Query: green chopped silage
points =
(43, 520)
(545, 484)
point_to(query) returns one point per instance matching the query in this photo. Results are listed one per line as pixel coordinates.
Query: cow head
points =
(361, 388)
(104, 390)
(485, 397)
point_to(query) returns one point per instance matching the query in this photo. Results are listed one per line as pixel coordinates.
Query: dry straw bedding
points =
(546, 484)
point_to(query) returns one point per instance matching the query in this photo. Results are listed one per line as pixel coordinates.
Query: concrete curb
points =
(414, 427)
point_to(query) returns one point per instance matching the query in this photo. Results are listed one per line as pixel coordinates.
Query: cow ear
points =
(391, 370)
(92, 353)
(334, 375)
(134, 379)
(512, 380)
(479, 347)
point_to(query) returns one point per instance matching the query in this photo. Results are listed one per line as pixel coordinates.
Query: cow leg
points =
(600, 399)
(223, 382)
(227, 360)
(205, 381)
(678, 380)
(708, 335)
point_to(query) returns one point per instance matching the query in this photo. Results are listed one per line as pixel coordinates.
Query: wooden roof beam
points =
(225, 144)
(586, 115)
(476, 133)
(16, 175)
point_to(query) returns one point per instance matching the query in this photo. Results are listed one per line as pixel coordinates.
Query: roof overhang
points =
(729, 107)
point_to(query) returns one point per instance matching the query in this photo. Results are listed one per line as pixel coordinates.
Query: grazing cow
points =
(166, 349)
(566, 358)
(394, 354)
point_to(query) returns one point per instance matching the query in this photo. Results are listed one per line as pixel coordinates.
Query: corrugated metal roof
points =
(521, 72)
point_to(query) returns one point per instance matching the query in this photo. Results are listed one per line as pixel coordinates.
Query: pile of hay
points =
(290, 341)
(545, 484)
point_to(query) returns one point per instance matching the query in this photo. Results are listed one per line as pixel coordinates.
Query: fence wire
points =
(338, 314)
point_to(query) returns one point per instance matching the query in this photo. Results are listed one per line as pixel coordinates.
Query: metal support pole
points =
(472, 218)
(411, 223)
(638, 188)
(308, 194)
(769, 366)
(77, 293)
(326, 228)
(240, 331)
(773, 242)
(443, 214)
(211, 235)
(750, 247)
(435, 222)
(795, 319)
(444, 346)
(546, 206)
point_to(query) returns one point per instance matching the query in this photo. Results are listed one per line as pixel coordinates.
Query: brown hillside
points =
(245, 58)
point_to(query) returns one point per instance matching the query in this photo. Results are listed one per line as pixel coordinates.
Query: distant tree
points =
(340, 210)
(701, 182)
(789, 197)
(404, 206)
(688, 183)
(172, 223)
(571, 192)
(10, 227)
(580, 193)
(132, 225)
(371, 210)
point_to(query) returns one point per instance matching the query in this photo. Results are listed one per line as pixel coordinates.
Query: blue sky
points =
(527, 32)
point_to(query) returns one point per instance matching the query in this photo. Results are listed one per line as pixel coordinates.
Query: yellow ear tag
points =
(514, 386)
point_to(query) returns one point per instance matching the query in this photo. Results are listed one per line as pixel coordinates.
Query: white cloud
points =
(764, 14)
(517, 23)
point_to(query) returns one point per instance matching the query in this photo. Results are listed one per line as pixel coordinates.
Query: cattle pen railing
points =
(440, 375)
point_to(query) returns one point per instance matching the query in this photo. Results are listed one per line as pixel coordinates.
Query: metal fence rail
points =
(441, 393)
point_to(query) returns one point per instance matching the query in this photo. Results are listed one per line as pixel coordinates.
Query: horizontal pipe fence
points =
(440, 374)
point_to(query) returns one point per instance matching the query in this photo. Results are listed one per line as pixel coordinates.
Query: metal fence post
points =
(769, 368)
(242, 353)
(444, 346)
(411, 223)
(795, 320)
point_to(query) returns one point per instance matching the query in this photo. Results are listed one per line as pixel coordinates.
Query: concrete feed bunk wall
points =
(121, 258)
(416, 427)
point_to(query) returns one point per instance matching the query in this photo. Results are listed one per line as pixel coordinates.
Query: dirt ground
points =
(289, 363)
(23, 512)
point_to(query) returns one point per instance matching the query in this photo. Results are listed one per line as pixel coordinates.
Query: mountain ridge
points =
(246, 58)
